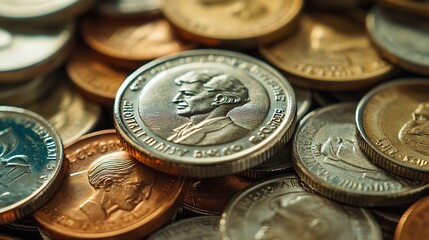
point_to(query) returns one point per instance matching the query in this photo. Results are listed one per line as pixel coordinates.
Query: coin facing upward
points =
(204, 113)
(414, 223)
(107, 194)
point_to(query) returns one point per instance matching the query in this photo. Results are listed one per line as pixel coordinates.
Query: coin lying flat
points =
(327, 157)
(129, 8)
(236, 23)
(402, 39)
(205, 228)
(328, 53)
(31, 162)
(392, 120)
(282, 208)
(204, 113)
(413, 224)
(107, 194)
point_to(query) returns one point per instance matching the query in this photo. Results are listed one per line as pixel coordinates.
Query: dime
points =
(107, 194)
(393, 127)
(414, 224)
(31, 162)
(237, 23)
(96, 80)
(129, 8)
(209, 196)
(282, 208)
(402, 39)
(204, 113)
(204, 228)
(327, 157)
(410, 6)
(329, 52)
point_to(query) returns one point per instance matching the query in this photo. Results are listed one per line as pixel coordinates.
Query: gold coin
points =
(237, 23)
(328, 53)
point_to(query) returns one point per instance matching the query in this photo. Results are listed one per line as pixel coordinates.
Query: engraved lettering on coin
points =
(244, 9)
(415, 133)
(117, 186)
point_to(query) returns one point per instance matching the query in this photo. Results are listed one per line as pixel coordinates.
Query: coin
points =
(388, 218)
(329, 52)
(281, 207)
(204, 113)
(413, 224)
(303, 101)
(392, 120)
(402, 39)
(327, 157)
(410, 6)
(324, 98)
(129, 8)
(107, 194)
(236, 23)
(31, 162)
(206, 227)
(95, 79)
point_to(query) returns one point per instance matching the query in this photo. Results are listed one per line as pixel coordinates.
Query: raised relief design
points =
(119, 184)
(415, 133)
(205, 98)
(244, 9)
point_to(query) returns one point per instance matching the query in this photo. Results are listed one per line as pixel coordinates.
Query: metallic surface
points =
(328, 52)
(129, 8)
(31, 162)
(388, 217)
(392, 120)
(414, 223)
(401, 38)
(410, 6)
(237, 120)
(283, 208)
(103, 197)
(303, 101)
(327, 157)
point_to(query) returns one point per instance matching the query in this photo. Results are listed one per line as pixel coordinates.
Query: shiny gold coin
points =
(234, 23)
(328, 53)
(414, 224)
(410, 6)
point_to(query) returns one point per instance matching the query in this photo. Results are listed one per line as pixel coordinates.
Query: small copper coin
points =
(108, 194)
(414, 224)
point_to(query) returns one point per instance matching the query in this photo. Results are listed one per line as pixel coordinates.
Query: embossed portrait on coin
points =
(415, 133)
(205, 98)
(244, 9)
(119, 182)
(304, 216)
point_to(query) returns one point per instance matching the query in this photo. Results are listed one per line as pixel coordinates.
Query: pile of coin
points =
(214, 119)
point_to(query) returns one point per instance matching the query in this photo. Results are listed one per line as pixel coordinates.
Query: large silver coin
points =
(282, 208)
(204, 113)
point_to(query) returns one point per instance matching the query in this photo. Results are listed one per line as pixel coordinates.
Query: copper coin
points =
(108, 194)
(414, 224)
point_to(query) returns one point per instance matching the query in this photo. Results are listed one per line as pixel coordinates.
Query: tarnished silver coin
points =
(283, 208)
(204, 228)
(204, 113)
(327, 157)
(31, 162)
(403, 39)
(129, 8)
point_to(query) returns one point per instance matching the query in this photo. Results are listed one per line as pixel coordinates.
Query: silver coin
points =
(204, 228)
(327, 157)
(283, 208)
(128, 8)
(205, 113)
(31, 162)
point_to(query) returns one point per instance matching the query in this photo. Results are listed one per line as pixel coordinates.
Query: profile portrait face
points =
(415, 133)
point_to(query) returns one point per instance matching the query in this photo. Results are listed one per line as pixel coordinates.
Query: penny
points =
(31, 162)
(236, 23)
(204, 113)
(328, 52)
(129, 8)
(410, 6)
(401, 38)
(70, 114)
(413, 224)
(206, 227)
(209, 196)
(131, 42)
(108, 194)
(95, 79)
(283, 206)
(49, 48)
(327, 157)
(392, 120)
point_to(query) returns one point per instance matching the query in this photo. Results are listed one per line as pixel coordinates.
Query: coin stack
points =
(214, 119)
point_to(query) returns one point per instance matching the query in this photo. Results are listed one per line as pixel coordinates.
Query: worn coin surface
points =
(283, 208)
(107, 194)
(31, 162)
(414, 223)
(328, 52)
(393, 125)
(201, 228)
(204, 113)
(401, 38)
(327, 157)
